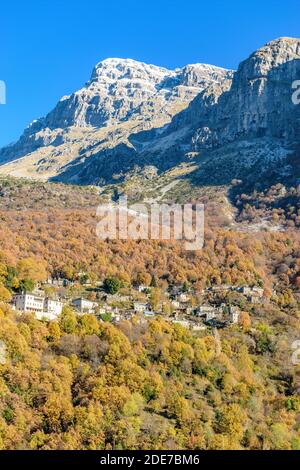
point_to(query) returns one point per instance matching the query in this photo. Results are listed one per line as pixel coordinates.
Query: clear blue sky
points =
(48, 48)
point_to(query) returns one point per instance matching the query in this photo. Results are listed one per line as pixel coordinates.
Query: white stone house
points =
(223, 287)
(143, 288)
(175, 304)
(107, 309)
(84, 305)
(202, 310)
(252, 291)
(140, 306)
(38, 304)
(183, 297)
(53, 306)
(210, 315)
(29, 302)
(259, 291)
(234, 313)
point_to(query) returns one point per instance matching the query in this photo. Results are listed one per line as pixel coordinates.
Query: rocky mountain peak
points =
(110, 70)
(121, 92)
(280, 50)
(276, 57)
(131, 114)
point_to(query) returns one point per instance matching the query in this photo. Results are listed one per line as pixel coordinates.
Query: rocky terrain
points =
(122, 98)
(136, 119)
(246, 129)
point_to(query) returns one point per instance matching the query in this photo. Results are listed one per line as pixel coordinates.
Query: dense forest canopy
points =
(81, 383)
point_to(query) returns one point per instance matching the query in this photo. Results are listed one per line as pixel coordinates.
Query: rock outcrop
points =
(259, 102)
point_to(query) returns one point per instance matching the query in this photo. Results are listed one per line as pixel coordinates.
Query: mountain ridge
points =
(130, 116)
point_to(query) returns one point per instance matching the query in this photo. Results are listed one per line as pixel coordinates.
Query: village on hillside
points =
(217, 306)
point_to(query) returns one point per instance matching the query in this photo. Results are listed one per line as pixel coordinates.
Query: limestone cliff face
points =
(259, 102)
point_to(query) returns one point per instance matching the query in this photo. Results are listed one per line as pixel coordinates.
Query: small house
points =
(140, 307)
(84, 305)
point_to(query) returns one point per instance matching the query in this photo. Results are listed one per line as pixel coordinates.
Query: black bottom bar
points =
(137, 459)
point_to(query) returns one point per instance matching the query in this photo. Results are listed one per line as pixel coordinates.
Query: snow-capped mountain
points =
(122, 97)
(131, 116)
(120, 89)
